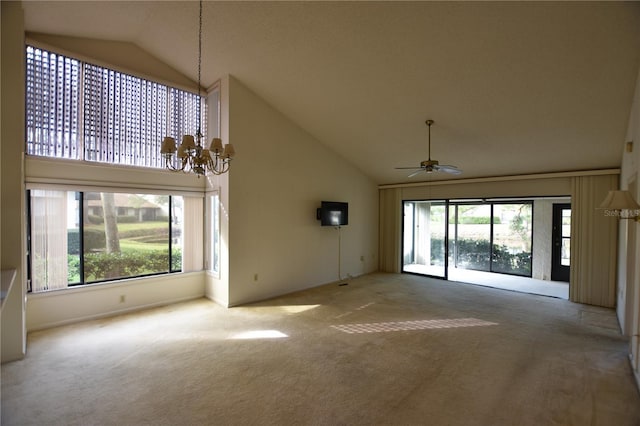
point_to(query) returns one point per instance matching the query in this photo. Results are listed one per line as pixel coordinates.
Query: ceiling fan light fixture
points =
(431, 166)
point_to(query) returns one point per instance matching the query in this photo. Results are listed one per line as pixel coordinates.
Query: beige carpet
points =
(386, 350)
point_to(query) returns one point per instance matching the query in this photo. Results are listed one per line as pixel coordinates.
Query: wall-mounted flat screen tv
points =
(333, 213)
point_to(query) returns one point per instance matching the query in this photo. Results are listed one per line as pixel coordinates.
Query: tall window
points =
(80, 111)
(88, 237)
(214, 233)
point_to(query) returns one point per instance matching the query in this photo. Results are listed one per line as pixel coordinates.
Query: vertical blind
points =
(81, 111)
(49, 263)
(192, 251)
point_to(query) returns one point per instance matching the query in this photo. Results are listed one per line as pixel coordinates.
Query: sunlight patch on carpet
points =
(259, 334)
(379, 327)
(296, 309)
(287, 309)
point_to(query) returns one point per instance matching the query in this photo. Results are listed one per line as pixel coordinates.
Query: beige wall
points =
(278, 180)
(12, 142)
(628, 289)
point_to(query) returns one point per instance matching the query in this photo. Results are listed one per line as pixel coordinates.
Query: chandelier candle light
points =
(193, 157)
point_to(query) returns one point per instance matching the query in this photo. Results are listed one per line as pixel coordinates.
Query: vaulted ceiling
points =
(513, 87)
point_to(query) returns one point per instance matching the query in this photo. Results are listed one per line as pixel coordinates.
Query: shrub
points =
(94, 239)
(127, 219)
(73, 241)
(474, 220)
(475, 254)
(100, 266)
(95, 220)
(145, 232)
(73, 271)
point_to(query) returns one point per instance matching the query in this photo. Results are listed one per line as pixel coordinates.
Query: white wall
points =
(217, 287)
(277, 181)
(54, 308)
(542, 229)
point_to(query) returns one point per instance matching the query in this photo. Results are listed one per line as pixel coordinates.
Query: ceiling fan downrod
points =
(429, 123)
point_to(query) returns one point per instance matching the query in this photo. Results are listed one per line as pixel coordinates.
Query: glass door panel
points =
(425, 237)
(512, 236)
(561, 248)
(473, 237)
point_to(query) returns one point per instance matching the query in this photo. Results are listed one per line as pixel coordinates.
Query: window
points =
(81, 238)
(76, 110)
(214, 233)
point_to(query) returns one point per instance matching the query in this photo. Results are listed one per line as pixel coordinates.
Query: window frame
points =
(80, 197)
(214, 233)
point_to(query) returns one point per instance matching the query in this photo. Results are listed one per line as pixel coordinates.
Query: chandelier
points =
(192, 156)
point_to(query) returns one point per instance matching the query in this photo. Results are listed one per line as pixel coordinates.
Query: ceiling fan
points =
(430, 165)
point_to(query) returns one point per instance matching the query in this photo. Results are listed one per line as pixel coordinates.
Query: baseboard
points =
(216, 301)
(273, 295)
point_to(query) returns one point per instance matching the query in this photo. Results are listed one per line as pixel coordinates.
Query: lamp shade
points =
(216, 145)
(619, 200)
(168, 146)
(188, 142)
(229, 151)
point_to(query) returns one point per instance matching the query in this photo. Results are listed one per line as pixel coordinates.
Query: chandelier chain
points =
(192, 156)
(199, 66)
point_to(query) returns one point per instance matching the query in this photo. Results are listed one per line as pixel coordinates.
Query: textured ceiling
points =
(513, 87)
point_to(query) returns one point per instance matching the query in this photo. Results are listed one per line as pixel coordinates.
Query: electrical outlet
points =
(122, 298)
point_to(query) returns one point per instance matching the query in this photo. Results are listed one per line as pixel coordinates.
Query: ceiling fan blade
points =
(448, 169)
(416, 172)
(408, 168)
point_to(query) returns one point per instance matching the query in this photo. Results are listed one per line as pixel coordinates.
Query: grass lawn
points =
(129, 245)
(124, 227)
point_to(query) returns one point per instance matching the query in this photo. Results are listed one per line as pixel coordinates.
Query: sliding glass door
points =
(425, 237)
(512, 237)
(477, 235)
(470, 242)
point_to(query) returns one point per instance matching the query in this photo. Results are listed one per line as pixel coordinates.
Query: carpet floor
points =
(386, 349)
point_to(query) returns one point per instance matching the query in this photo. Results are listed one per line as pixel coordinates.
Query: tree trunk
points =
(110, 222)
